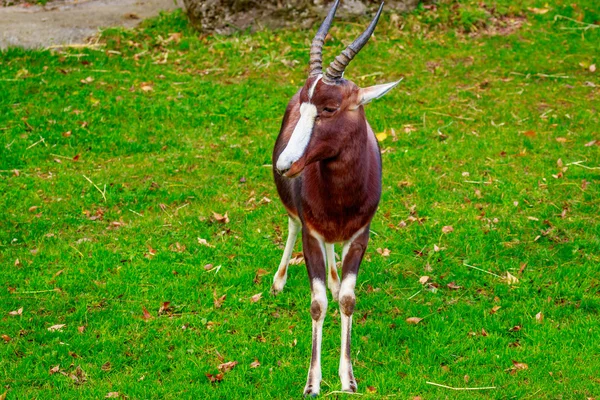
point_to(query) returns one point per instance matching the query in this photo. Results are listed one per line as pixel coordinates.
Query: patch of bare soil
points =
(501, 26)
(71, 21)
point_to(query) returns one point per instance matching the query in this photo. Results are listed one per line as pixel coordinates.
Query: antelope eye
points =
(330, 110)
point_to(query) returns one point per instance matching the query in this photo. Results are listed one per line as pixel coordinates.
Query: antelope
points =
(327, 169)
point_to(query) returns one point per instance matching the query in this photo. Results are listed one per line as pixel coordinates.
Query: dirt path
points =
(72, 21)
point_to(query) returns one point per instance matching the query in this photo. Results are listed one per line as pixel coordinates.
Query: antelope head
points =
(329, 108)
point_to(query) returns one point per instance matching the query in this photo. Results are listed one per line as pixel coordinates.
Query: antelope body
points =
(327, 169)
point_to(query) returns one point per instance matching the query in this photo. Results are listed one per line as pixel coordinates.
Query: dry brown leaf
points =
(592, 68)
(164, 307)
(423, 280)
(255, 363)
(17, 262)
(146, 316)
(414, 320)
(6, 338)
(203, 242)
(519, 365)
(384, 252)
(561, 140)
(81, 329)
(256, 297)
(453, 286)
(54, 370)
(447, 229)
(224, 219)
(57, 327)
(539, 318)
(208, 267)
(529, 133)
(228, 366)
(495, 309)
(146, 87)
(483, 332)
(111, 395)
(218, 301)
(296, 260)
(371, 389)
(106, 366)
(177, 247)
(516, 328)
(214, 378)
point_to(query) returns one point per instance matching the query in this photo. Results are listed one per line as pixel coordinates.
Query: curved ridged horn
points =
(336, 68)
(316, 49)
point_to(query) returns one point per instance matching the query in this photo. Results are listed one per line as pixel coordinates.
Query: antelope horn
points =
(316, 49)
(335, 71)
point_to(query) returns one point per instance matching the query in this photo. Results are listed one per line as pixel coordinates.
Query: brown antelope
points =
(327, 169)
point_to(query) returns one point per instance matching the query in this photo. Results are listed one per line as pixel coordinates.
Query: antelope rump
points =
(327, 169)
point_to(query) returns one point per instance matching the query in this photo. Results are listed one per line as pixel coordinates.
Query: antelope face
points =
(329, 107)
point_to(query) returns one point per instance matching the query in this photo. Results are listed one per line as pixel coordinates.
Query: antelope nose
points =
(282, 171)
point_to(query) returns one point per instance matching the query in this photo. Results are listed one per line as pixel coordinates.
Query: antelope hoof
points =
(349, 383)
(311, 390)
(278, 285)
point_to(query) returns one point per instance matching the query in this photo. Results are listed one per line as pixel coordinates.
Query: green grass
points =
(481, 136)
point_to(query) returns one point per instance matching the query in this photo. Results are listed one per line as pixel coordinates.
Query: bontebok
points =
(327, 169)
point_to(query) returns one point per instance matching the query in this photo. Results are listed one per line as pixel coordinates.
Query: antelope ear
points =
(374, 92)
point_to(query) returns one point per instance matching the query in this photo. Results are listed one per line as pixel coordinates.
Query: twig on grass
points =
(103, 193)
(42, 140)
(578, 163)
(483, 270)
(39, 291)
(415, 294)
(585, 28)
(136, 213)
(342, 392)
(463, 388)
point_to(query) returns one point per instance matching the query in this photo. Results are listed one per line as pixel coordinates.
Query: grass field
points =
(117, 159)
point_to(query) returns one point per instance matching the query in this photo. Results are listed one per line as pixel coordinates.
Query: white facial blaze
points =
(301, 134)
(300, 137)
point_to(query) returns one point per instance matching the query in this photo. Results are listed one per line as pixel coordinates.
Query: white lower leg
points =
(333, 280)
(281, 275)
(347, 303)
(318, 309)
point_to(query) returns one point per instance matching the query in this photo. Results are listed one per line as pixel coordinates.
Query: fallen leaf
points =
(414, 320)
(453, 286)
(111, 395)
(447, 229)
(592, 68)
(538, 11)
(177, 247)
(218, 301)
(256, 297)
(483, 332)
(561, 140)
(436, 248)
(255, 363)
(81, 329)
(164, 307)
(539, 318)
(371, 389)
(54, 370)
(519, 365)
(146, 87)
(214, 378)
(6, 338)
(146, 315)
(106, 366)
(228, 366)
(17, 262)
(57, 327)
(423, 280)
(224, 219)
(510, 279)
(203, 242)
(33, 208)
(87, 80)
(522, 267)
(515, 328)
(381, 136)
(296, 260)
(529, 133)
(385, 252)
(590, 144)
(495, 309)
(208, 267)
